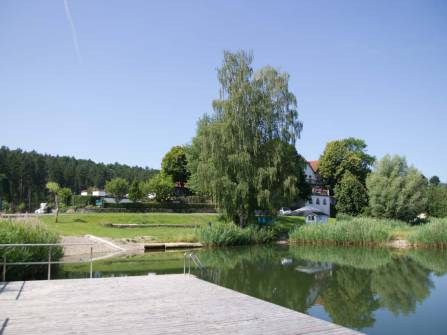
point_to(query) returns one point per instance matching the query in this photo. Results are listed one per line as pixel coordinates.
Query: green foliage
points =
(175, 165)
(117, 187)
(243, 155)
(161, 185)
(437, 200)
(84, 200)
(27, 231)
(135, 191)
(435, 180)
(228, 234)
(432, 234)
(25, 175)
(357, 231)
(65, 195)
(395, 190)
(342, 156)
(350, 195)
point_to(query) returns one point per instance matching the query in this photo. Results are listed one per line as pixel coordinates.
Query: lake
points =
(377, 291)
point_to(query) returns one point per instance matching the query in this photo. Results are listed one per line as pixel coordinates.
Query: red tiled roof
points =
(314, 165)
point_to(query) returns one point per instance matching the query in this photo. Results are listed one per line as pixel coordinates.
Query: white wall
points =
(324, 203)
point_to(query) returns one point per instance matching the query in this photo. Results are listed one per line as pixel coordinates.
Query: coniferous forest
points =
(23, 175)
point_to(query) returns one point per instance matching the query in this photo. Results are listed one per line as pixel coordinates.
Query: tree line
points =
(24, 175)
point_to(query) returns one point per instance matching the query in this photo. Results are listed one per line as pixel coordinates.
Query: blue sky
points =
(146, 71)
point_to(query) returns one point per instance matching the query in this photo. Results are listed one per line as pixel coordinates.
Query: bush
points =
(433, 233)
(228, 234)
(27, 231)
(358, 231)
(84, 201)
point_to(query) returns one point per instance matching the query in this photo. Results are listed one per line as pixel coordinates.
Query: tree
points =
(175, 165)
(65, 195)
(344, 155)
(351, 195)
(435, 180)
(135, 191)
(161, 185)
(54, 189)
(244, 155)
(118, 188)
(395, 190)
(437, 200)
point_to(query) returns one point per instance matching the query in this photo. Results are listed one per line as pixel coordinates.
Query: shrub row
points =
(162, 207)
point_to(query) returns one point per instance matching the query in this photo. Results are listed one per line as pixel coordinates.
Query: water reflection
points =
(350, 284)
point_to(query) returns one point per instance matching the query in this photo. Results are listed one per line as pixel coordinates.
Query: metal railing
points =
(49, 262)
(190, 257)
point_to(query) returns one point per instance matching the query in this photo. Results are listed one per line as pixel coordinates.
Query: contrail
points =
(73, 31)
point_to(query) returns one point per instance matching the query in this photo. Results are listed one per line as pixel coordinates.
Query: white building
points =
(99, 193)
(84, 193)
(320, 200)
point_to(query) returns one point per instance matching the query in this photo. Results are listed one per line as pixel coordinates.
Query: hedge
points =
(161, 207)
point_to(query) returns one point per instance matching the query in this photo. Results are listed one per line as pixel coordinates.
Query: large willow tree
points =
(244, 154)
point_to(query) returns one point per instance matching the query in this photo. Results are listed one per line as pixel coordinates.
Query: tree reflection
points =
(401, 284)
(349, 299)
(350, 283)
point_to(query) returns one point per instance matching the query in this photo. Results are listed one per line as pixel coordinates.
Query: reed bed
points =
(27, 230)
(352, 231)
(229, 234)
(431, 234)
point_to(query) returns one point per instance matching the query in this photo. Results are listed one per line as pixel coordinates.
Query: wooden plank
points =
(168, 304)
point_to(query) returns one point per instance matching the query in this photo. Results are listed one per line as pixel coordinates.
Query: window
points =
(318, 201)
(310, 201)
(324, 202)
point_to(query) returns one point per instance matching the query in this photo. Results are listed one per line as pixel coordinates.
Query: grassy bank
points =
(21, 231)
(432, 234)
(363, 231)
(99, 224)
(355, 231)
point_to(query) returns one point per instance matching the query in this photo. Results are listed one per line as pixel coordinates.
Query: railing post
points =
(189, 264)
(4, 267)
(49, 262)
(184, 263)
(91, 262)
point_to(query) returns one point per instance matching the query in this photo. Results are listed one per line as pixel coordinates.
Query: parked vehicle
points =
(285, 211)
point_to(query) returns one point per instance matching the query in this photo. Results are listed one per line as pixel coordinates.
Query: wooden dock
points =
(167, 304)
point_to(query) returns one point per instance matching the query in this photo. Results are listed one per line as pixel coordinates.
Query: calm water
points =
(373, 290)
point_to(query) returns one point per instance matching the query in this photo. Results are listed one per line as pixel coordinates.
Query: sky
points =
(124, 81)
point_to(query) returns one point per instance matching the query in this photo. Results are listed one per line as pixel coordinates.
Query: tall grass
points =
(355, 231)
(229, 234)
(26, 231)
(432, 234)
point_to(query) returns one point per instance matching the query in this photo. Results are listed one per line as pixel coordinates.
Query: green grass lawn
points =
(97, 224)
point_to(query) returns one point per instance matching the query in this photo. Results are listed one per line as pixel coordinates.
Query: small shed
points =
(312, 214)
